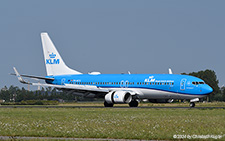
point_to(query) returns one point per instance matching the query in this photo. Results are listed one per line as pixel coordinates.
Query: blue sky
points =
(113, 36)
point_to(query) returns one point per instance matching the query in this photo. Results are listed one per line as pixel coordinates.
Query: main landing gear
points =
(133, 103)
(192, 104)
(107, 104)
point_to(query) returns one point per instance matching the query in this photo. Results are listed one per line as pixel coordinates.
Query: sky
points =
(113, 36)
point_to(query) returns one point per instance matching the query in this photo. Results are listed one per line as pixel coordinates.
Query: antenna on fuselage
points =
(170, 71)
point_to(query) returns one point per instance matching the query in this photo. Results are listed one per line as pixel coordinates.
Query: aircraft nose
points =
(208, 89)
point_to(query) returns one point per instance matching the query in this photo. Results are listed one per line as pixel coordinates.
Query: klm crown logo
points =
(116, 96)
(52, 60)
(52, 55)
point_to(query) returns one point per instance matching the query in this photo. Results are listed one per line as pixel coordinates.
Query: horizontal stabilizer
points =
(35, 77)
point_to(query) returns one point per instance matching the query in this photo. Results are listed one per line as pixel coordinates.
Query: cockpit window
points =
(197, 83)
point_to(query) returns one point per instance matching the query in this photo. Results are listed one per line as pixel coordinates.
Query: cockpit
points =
(197, 83)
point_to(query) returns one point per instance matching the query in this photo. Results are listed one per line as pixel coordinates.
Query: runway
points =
(62, 138)
(119, 107)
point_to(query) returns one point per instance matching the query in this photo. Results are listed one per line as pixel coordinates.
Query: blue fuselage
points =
(147, 85)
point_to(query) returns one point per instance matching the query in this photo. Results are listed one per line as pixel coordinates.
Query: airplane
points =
(116, 88)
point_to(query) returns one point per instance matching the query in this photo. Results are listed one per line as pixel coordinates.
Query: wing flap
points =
(74, 87)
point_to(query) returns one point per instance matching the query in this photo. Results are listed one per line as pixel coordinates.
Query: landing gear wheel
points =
(133, 103)
(192, 104)
(107, 104)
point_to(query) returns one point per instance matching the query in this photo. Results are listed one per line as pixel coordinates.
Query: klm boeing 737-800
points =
(116, 88)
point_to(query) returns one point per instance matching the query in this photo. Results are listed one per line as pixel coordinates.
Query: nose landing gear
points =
(192, 102)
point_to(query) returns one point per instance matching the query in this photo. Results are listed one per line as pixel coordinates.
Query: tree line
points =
(15, 94)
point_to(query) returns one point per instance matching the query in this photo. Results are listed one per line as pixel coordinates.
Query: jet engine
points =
(118, 97)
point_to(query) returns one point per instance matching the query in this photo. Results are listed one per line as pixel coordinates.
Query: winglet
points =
(19, 77)
(170, 71)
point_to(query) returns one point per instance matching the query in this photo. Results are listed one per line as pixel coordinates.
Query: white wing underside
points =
(74, 87)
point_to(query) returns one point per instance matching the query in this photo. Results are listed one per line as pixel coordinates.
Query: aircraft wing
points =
(31, 76)
(74, 87)
(68, 87)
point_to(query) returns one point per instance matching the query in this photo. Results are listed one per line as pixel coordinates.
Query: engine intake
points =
(118, 97)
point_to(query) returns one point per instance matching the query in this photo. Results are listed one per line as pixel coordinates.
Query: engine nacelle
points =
(118, 97)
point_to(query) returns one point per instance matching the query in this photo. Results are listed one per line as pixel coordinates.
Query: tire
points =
(107, 104)
(133, 103)
(192, 104)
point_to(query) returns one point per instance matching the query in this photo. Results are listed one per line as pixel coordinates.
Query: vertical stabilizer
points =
(53, 61)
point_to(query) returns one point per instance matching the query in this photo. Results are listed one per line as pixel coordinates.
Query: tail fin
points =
(53, 61)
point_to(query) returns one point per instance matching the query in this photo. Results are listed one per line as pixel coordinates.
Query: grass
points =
(111, 123)
(142, 104)
(186, 104)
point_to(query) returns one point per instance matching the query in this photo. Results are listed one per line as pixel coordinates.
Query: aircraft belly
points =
(158, 94)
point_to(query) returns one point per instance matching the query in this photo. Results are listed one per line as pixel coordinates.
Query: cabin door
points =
(182, 84)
